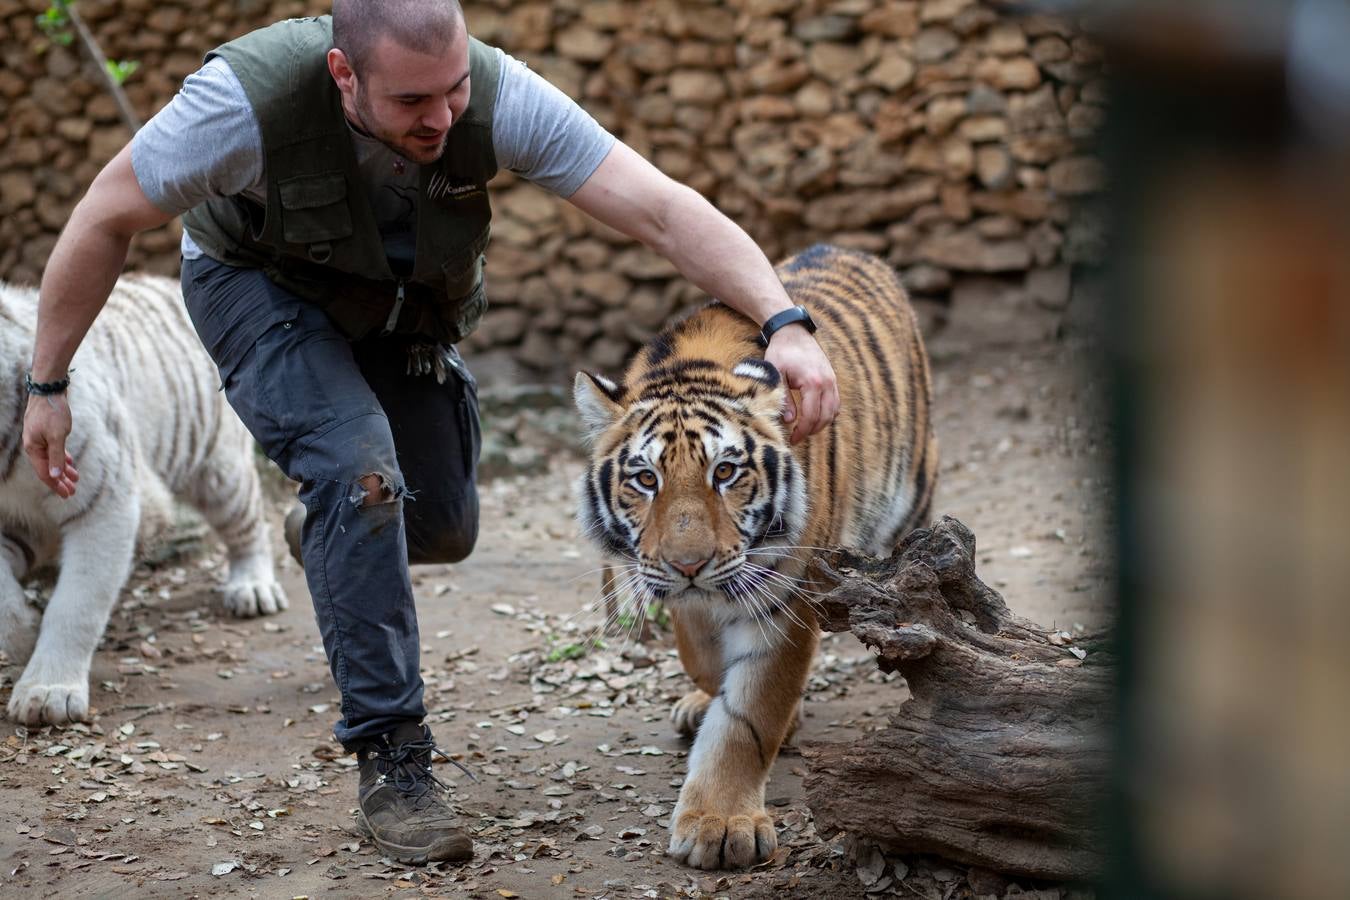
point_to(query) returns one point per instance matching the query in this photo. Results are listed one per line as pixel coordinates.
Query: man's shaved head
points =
(426, 26)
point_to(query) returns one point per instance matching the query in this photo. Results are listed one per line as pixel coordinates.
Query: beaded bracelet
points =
(46, 388)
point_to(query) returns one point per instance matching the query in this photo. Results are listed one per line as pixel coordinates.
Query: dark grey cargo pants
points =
(330, 412)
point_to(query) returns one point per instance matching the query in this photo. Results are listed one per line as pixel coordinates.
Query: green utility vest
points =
(317, 235)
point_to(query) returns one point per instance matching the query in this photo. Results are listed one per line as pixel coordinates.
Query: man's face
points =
(409, 100)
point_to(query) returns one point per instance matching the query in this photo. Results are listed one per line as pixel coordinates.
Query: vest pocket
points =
(464, 288)
(470, 312)
(314, 211)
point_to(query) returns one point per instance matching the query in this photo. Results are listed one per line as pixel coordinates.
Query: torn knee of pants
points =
(375, 489)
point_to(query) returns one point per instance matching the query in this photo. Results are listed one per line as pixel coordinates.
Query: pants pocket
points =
(231, 309)
(470, 427)
(306, 380)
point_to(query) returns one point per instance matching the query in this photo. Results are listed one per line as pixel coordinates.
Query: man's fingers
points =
(57, 477)
(56, 458)
(808, 421)
(45, 448)
(37, 457)
(62, 468)
(807, 372)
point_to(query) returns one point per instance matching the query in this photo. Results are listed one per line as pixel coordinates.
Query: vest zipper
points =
(392, 321)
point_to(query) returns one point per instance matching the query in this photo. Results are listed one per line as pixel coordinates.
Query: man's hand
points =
(80, 274)
(804, 367)
(629, 194)
(46, 425)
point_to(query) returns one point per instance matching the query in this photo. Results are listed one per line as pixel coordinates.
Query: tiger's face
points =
(693, 483)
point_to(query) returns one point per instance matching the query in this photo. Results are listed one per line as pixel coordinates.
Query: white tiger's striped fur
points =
(149, 424)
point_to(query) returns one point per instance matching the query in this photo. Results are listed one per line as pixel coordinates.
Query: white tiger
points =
(149, 423)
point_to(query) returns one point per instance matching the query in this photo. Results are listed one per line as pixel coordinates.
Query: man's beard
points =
(401, 144)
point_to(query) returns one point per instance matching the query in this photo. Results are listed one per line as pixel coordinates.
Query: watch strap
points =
(797, 315)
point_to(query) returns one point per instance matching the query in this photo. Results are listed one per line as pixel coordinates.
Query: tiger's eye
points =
(724, 471)
(647, 478)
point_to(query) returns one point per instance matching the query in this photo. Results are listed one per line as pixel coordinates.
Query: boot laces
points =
(408, 767)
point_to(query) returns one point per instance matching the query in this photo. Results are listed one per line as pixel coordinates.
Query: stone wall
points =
(944, 135)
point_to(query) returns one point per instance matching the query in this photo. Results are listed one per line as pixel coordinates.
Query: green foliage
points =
(656, 612)
(55, 24)
(122, 69)
(573, 650)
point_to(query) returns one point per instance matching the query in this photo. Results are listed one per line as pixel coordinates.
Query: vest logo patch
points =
(440, 188)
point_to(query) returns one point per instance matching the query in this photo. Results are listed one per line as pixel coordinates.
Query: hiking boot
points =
(404, 808)
(295, 520)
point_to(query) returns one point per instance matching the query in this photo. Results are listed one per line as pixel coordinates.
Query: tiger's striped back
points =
(872, 473)
(146, 341)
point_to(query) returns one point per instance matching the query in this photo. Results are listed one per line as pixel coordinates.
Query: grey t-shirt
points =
(206, 142)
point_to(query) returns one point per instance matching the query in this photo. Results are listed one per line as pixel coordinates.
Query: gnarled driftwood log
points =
(1000, 758)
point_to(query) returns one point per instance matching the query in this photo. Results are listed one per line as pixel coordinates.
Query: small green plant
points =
(573, 650)
(61, 24)
(655, 615)
(656, 612)
(55, 23)
(122, 69)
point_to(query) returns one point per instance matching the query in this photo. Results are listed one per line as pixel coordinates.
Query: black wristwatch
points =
(795, 316)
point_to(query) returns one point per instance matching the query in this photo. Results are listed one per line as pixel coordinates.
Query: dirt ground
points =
(210, 768)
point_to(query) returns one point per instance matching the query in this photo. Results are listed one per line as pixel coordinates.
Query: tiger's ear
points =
(761, 370)
(597, 400)
(767, 402)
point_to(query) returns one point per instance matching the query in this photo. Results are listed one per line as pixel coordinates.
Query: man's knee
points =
(358, 453)
(376, 489)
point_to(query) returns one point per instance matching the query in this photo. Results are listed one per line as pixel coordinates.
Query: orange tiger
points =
(693, 485)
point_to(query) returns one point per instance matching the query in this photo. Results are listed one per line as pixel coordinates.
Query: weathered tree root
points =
(1001, 757)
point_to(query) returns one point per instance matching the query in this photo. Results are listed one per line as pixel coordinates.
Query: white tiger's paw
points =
(246, 598)
(49, 704)
(18, 629)
(688, 712)
(704, 839)
(252, 589)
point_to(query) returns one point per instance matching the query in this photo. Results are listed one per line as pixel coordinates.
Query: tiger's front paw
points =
(18, 629)
(252, 590)
(705, 839)
(688, 712)
(37, 703)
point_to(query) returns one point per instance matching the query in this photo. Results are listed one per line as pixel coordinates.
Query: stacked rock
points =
(945, 135)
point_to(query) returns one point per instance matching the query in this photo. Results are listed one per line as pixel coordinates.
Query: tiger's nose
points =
(689, 568)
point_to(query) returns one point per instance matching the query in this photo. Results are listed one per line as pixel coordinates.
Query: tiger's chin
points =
(689, 596)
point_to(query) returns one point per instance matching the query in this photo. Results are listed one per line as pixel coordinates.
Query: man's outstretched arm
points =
(80, 275)
(631, 195)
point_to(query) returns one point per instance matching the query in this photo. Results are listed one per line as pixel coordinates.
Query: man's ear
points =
(597, 400)
(341, 69)
(767, 401)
